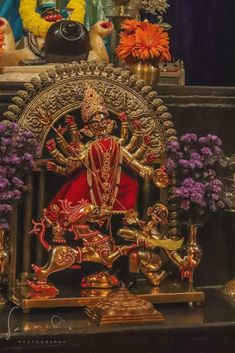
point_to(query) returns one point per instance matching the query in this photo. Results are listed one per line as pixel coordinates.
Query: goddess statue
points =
(95, 168)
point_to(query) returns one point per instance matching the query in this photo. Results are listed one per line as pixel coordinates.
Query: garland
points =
(33, 22)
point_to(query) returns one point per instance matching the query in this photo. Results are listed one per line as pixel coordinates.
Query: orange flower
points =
(1, 40)
(130, 25)
(126, 45)
(143, 41)
(151, 42)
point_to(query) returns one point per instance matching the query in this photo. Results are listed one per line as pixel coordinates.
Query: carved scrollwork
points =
(49, 96)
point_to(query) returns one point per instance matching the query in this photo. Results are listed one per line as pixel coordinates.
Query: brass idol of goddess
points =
(98, 187)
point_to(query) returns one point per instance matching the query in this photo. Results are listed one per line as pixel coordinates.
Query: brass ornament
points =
(43, 105)
(96, 247)
(228, 289)
(4, 259)
(148, 236)
(160, 178)
(122, 307)
(92, 103)
(100, 280)
(65, 90)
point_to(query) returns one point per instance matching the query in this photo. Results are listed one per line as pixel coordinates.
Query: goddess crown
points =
(92, 103)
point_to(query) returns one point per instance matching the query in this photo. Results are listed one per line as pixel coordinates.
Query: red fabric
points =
(77, 187)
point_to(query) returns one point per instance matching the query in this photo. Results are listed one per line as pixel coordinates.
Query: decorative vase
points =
(192, 252)
(147, 71)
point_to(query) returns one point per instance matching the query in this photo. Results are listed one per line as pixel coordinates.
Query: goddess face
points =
(99, 125)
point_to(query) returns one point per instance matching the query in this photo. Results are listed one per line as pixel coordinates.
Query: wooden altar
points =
(209, 328)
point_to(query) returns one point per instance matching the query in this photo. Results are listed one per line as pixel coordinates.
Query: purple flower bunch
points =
(17, 151)
(193, 162)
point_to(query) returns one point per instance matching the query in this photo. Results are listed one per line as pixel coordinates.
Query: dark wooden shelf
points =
(206, 329)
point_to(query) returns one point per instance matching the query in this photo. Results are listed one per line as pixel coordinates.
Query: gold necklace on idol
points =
(108, 173)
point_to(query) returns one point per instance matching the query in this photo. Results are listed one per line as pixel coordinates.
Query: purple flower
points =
(215, 185)
(6, 141)
(17, 182)
(17, 149)
(215, 139)
(3, 183)
(183, 163)
(206, 151)
(216, 182)
(15, 126)
(6, 195)
(5, 208)
(4, 226)
(6, 160)
(198, 164)
(173, 146)
(188, 182)
(3, 170)
(170, 165)
(202, 139)
(200, 187)
(179, 155)
(189, 137)
(196, 197)
(215, 197)
(17, 194)
(217, 150)
(15, 160)
(3, 127)
(197, 188)
(181, 192)
(192, 164)
(196, 156)
(28, 156)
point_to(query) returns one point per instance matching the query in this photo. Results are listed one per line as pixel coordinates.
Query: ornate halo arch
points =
(49, 96)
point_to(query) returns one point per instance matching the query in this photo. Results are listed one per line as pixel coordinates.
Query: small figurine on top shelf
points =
(153, 11)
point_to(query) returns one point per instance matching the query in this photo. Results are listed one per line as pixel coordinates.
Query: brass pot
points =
(146, 71)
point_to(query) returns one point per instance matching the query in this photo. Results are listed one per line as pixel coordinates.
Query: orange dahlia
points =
(143, 41)
(151, 42)
(126, 46)
(130, 25)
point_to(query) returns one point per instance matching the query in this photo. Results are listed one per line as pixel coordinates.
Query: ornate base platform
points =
(123, 307)
(169, 292)
(228, 289)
